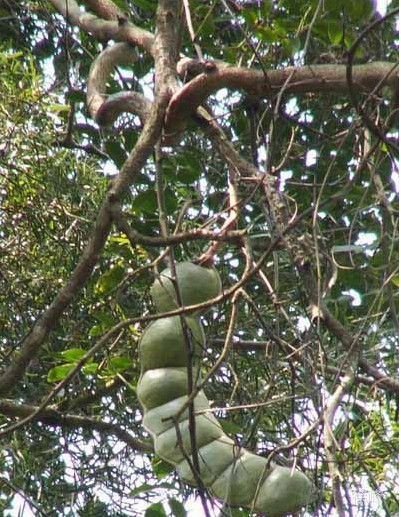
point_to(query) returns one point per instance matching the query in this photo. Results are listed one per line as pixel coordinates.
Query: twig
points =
(330, 443)
(351, 81)
(61, 385)
(191, 31)
(53, 417)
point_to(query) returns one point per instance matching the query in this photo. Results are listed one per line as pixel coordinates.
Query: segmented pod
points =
(231, 473)
(163, 343)
(197, 285)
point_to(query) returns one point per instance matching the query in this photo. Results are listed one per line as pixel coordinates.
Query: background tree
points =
(257, 135)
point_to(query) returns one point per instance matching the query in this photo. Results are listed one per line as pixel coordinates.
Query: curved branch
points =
(105, 109)
(50, 416)
(316, 78)
(150, 134)
(104, 30)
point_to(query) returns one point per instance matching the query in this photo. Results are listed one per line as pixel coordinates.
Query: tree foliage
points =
(265, 142)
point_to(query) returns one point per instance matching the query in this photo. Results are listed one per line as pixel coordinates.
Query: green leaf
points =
(161, 468)
(145, 5)
(11, 56)
(59, 373)
(335, 31)
(59, 107)
(188, 175)
(96, 330)
(155, 510)
(267, 35)
(177, 508)
(145, 488)
(116, 152)
(110, 279)
(120, 239)
(361, 10)
(90, 369)
(188, 169)
(73, 354)
(349, 40)
(76, 96)
(295, 44)
(119, 364)
(145, 202)
(230, 427)
(121, 4)
(105, 318)
(142, 489)
(171, 200)
(251, 16)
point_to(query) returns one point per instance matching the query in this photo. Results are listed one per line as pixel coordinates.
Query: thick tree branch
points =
(104, 30)
(131, 168)
(106, 9)
(105, 109)
(53, 417)
(330, 444)
(314, 78)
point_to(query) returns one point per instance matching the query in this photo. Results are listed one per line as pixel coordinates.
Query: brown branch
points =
(381, 379)
(105, 109)
(104, 30)
(135, 238)
(99, 345)
(166, 48)
(31, 344)
(105, 9)
(53, 417)
(315, 78)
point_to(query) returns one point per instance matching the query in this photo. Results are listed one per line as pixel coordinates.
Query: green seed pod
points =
(160, 419)
(157, 387)
(284, 491)
(167, 444)
(163, 343)
(197, 284)
(231, 473)
(238, 484)
(214, 458)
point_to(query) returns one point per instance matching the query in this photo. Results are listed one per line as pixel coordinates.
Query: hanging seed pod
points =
(196, 284)
(231, 473)
(163, 344)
